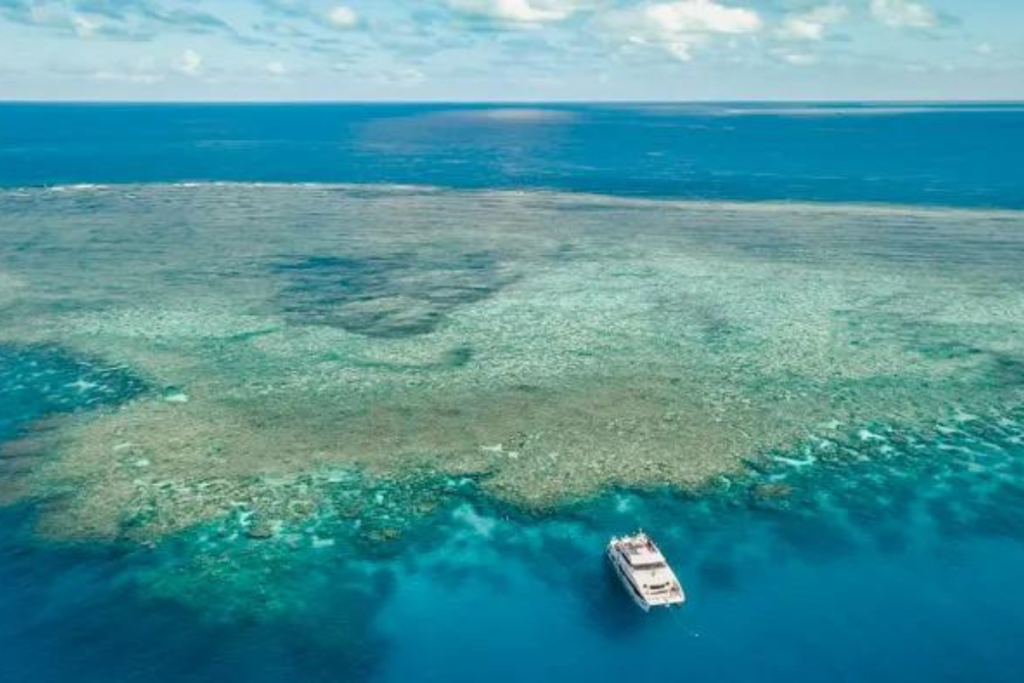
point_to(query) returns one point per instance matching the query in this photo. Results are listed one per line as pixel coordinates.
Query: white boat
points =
(644, 571)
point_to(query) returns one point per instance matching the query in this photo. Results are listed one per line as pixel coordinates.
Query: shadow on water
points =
(608, 607)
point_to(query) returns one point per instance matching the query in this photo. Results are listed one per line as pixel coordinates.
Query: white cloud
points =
(401, 77)
(812, 24)
(799, 58)
(122, 20)
(276, 69)
(128, 77)
(702, 16)
(405, 77)
(904, 14)
(342, 17)
(142, 72)
(679, 27)
(520, 11)
(84, 26)
(44, 14)
(984, 49)
(190, 63)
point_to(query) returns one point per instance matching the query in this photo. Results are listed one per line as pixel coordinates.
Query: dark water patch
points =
(453, 572)
(1003, 515)
(706, 323)
(934, 242)
(459, 357)
(80, 613)
(40, 380)
(609, 609)
(719, 573)
(1008, 370)
(395, 295)
(869, 327)
(255, 334)
(812, 535)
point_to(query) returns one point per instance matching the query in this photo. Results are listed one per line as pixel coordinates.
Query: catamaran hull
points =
(626, 583)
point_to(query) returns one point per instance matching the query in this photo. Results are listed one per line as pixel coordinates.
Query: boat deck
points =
(644, 571)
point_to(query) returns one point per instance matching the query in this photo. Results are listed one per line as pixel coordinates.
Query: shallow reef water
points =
(313, 409)
(289, 331)
(790, 563)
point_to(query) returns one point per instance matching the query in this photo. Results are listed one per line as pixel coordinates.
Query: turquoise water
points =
(903, 568)
(324, 431)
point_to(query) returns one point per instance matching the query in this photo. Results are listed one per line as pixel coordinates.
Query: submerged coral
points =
(550, 345)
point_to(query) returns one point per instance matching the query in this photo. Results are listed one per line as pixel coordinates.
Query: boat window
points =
(650, 565)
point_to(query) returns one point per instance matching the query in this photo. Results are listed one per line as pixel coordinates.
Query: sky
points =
(511, 50)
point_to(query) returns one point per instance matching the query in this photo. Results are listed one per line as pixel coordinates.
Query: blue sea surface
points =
(881, 571)
(941, 154)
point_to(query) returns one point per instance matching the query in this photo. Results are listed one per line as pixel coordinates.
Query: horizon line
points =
(517, 102)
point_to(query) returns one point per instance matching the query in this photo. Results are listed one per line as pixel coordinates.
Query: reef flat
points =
(389, 342)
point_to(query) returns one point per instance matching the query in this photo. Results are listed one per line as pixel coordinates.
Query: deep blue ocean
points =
(899, 570)
(948, 155)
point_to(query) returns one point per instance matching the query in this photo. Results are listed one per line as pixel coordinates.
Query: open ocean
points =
(359, 393)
